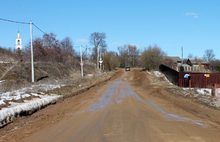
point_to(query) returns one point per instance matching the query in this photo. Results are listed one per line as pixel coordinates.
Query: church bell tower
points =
(18, 44)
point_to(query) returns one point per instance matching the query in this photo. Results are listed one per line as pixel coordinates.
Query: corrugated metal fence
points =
(198, 80)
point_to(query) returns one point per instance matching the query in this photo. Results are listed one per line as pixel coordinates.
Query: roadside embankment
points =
(40, 100)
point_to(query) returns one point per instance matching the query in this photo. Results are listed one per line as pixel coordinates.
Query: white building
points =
(18, 43)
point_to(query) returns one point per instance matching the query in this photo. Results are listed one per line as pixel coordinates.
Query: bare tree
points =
(209, 55)
(133, 55)
(67, 46)
(152, 57)
(111, 60)
(97, 39)
(123, 52)
(214, 66)
(169, 62)
(50, 49)
(190, 56)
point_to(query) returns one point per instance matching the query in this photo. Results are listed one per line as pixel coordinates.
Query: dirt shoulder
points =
(169, 96)
(45, 118)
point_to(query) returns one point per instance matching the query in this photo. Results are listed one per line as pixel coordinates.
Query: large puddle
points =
(118, 90)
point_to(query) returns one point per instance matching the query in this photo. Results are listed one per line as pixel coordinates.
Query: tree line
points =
(49, 49)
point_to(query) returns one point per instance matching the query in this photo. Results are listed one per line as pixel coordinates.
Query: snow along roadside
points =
(7, 115)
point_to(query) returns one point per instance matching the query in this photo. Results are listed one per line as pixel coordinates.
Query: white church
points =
(18, 44)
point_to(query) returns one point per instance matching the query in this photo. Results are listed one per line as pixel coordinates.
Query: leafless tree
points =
(111, 60)
(133, 53)
(152, 57)
(214, 66)
(209, 55)
(50, 49)
(98, 39)
(190, 56)
(169, 62)
(123, 53)
(67, 44)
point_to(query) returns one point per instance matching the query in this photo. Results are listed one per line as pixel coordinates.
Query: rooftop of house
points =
(197, 61)
(174, 58)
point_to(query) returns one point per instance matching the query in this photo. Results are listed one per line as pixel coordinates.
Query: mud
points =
(125, 108)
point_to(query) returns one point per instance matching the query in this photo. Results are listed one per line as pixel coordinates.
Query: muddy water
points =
(120, 114)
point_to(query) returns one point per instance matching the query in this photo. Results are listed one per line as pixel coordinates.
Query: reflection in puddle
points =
(119, 89)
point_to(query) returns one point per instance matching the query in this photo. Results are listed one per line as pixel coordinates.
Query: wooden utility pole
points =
(32, 56)
(81, 61)
(98, 57)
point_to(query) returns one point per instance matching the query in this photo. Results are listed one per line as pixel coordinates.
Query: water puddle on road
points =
(118, 90)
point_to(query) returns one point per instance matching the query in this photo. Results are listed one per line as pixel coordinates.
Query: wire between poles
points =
(38, 28)
(21, 23)
(13, 21)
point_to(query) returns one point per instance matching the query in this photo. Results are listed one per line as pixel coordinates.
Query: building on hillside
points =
(18, 43)
(176, 59)
(196, 61)
(198, 65)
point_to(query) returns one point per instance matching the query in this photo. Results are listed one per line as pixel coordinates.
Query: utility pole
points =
(32, 58)
(103, 61)
(98, 58)
(89, 54)
(81, 60)
(182, 55)
(86, 52)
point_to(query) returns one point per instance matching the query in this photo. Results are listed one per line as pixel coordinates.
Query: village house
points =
(197, 65)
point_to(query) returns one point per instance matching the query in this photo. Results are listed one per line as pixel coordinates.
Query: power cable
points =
(38, 28)
(21, 23)
(13, 21)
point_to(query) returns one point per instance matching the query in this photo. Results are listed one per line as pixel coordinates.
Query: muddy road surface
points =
(126, 108)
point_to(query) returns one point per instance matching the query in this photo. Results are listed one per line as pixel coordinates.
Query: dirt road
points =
(125, 109)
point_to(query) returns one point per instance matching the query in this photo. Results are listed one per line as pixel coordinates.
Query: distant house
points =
(197, 61)
(176, 59)
(198, 64)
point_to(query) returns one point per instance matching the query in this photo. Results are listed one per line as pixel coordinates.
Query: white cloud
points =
(81, 40)
(116, 44)
(133, 44)
(195, 15)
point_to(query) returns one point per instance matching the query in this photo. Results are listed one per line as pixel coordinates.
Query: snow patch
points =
(159, 74)
(203, 91)
(8, 114)
(4, 62)
(22, 93)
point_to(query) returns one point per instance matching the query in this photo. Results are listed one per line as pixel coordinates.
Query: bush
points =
(181, 69)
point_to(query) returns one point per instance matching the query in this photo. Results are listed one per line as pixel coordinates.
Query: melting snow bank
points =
(159, 75)
(25, 92)
(7, 115)
(203, 91)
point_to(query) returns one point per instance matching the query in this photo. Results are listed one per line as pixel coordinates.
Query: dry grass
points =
(45, 73)
(6, 55)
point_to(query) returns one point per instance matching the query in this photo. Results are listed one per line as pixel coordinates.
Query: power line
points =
(21, 23)
(13, 21)
(38, 28)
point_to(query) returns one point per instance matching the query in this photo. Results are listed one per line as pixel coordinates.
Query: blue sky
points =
(171, 24)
